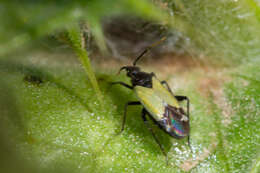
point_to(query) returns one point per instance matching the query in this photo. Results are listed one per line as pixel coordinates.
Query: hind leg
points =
(144, 113)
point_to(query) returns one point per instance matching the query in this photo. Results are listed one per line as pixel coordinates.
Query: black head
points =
(138, 77)
(131, 70)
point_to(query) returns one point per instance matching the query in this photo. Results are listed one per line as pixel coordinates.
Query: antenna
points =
(148, 48)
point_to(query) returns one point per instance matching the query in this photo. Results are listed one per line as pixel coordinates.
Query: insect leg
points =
(181, 98)
(125, 110)
(123, 84)
(144, 112)
(167, 86)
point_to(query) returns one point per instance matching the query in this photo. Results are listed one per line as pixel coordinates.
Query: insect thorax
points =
(142, 79)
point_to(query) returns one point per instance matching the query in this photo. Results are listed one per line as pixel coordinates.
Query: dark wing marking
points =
(175, 122)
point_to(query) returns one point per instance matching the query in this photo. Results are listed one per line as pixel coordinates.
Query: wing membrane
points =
(175, 121)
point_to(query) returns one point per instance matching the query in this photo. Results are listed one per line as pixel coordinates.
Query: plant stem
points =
(77, 41)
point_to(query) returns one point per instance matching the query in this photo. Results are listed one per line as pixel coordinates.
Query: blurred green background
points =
(58, 112)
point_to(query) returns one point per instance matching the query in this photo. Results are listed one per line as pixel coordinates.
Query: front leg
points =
(125, 111)
(123, 84)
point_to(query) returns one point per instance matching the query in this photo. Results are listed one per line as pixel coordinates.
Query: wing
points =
(164, 108)
(175, 122)
(164, 94)
(152, 103)
(155, 99)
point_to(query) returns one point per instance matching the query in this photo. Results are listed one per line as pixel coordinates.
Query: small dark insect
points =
(158, 101)
(36, 80)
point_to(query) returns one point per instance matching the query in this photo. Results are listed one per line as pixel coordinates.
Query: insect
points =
(158, 101)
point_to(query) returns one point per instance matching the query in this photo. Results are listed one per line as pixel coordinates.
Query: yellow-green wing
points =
(156, 98)
(162, 92)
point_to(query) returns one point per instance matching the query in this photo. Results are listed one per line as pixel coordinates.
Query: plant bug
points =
(159, 102)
